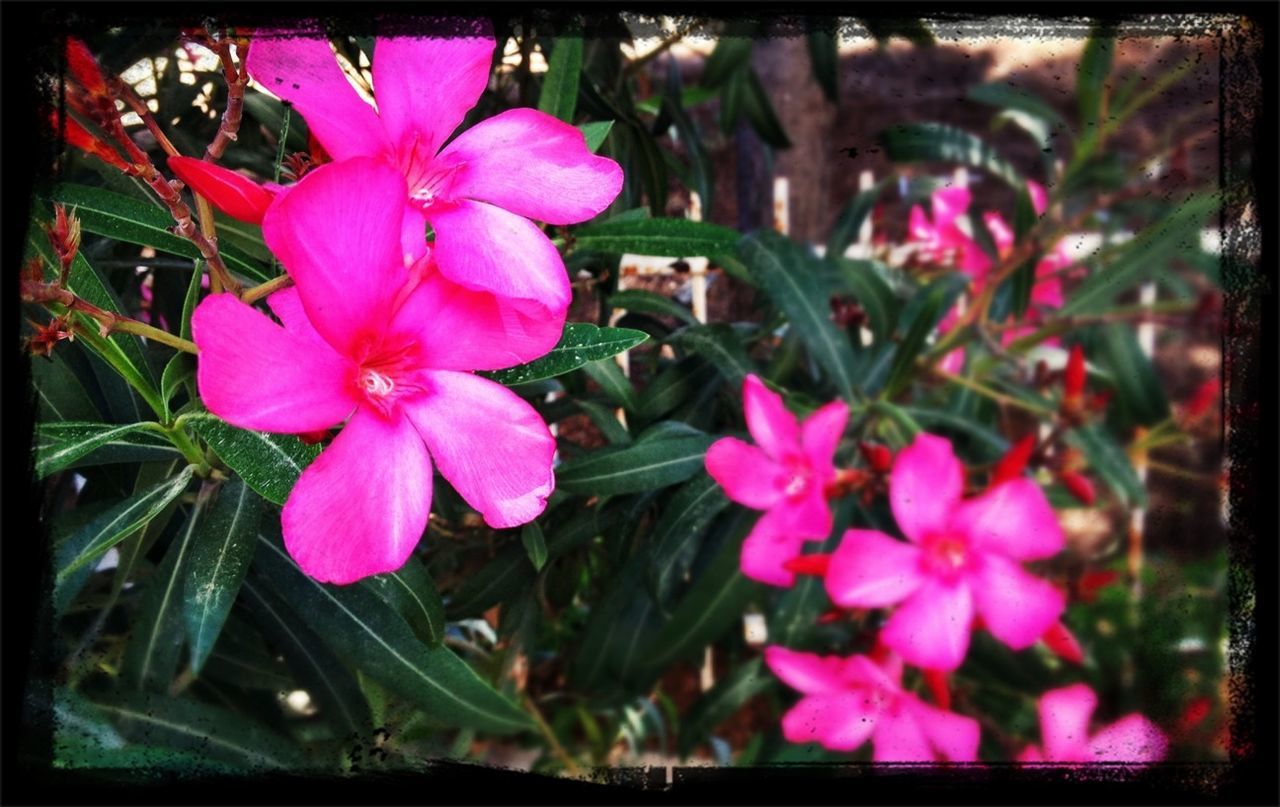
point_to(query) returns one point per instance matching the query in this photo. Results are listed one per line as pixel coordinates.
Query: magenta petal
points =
(1064, 722)
(871, 570)
(954, 737)
(256, 375)
(1039, 196)
(304, 71)
(1014, 519)
(425, 85)
(806, 672)
(286, 304)
(773, 427)
(1130, 739)
(461, 329)
(840, 722)
(413, 235)
(338, 235)
(767, 548)
(531, 164)
(483, 247)
(362, 506)
(807, 516)
(1017, 606)
(491, 445)
(820, 435)
(926, 482)
(746, 474)
(1031, 756)
(918, 225)
(900, 738)
(931, 628)
(949, 204)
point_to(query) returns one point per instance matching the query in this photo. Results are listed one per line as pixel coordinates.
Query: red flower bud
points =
(84, 140)
(318, 155)
(317, 436)
(1205, 396)
(816, 564)
(234, 194)
(84, 68)
(1194, 715)
(1091, 582)
(939, 687)
(1078, 486)
(1098, 402)
(879, 457)
(1063, 644)
(1012, 464)
(1074, 375)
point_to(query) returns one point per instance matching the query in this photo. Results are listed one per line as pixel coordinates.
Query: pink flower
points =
(388, 349)
(785, 475)
(478, 192)
(848, 700)
(963, 557)
(941, 240)
(1064, 730)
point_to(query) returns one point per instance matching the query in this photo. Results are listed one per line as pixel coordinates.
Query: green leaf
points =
(1111, 463)
(60, 393)
(721, 345)
(731, 693)
(673, 386)
(133, 221)
(648, 302)
(733, 97)
(72, 444)
(864, 281)
(1005, 96)
(761, 114)
(595, 132)
(791, 280)
(824, 57)
(413, 594)
(684, 519)
(1091, 76)
(638, 467)
(1139, 391)
(180, 369)
(221, 556)
(938, 142)
(559, 95)
(191, 299)
(1143, 257)
(377, 640)
(580, 344)
(606, 421)
(608, 375)
(680, 238)
(731, 55)
(269, 463)
(319, 669)
(702, 170)
(120, 522)
(535, 544)
(930, 305)
(845, 231)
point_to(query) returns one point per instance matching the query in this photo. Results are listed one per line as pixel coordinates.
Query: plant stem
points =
(570, 766)
(994, 395)
(261, 290)
(139, 107)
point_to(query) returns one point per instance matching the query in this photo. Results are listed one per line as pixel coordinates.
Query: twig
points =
(237, 78)
(570, 766)
(108, 321)
(261, 290)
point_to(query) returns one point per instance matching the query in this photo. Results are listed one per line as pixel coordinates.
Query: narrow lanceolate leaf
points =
(318, 668)
(189, 725)
(720, 345)
(641, 466)
(1091, 77)
(268, 463)
(595, 133)
(731, 55)
(825, 59)
(375, 639)
(180, 369)
(864, 280)
(610, 378)
(791, 280)
(133, 221)
(60, 395)
(849, 223)
(580, 343)
(1110, 462)
(121, 521)
(726, 697)
(930, 305)
(647, 302)
(70, 444)
(535, 544)
(938, 142)
(677, 534)
(411, 591)
(191, 299)
(761, 114)
(1139, 393)
(559, 96)
(223, 549)
(663, 237)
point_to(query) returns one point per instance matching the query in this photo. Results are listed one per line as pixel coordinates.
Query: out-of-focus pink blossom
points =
(848, 701)
(390, 350)
(963, 558)
(785, 474)
(1065, 737)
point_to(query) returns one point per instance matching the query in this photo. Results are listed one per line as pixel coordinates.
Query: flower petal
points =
(425, 85)
(491, 445)
(1039, 197)
(1133, 738)
(362, 506)
(1013, 519)
(871, 570)
(286, 304)
(773, 427)
(256, 375)
(747, 475)
(488, 249)
(461, 329)
(338, 234)
(234, 194)
(949, 204)
(767, 548)
(807, 672)
(839, 722)
(808, 516)
(954, 737)
(924, 485)
(820, 435)
(531, 164)
(304, 71)
(900, 738)
(931, 628)
(1017, 607)
(1064, 722)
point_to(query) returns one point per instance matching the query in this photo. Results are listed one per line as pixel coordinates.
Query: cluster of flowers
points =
(960, 568)
(384, 326)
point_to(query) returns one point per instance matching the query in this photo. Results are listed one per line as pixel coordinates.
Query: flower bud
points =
(879, 457)
(1012, 464)
(1073, 377)
(1063, 644)
(1078, 486)
(815, 565)
(84, 68)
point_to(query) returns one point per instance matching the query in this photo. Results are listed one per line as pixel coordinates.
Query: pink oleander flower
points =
(962, 558)
(389, 349)
(480, 191)
(1064, 732)
(785, 475)
(850, 700)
